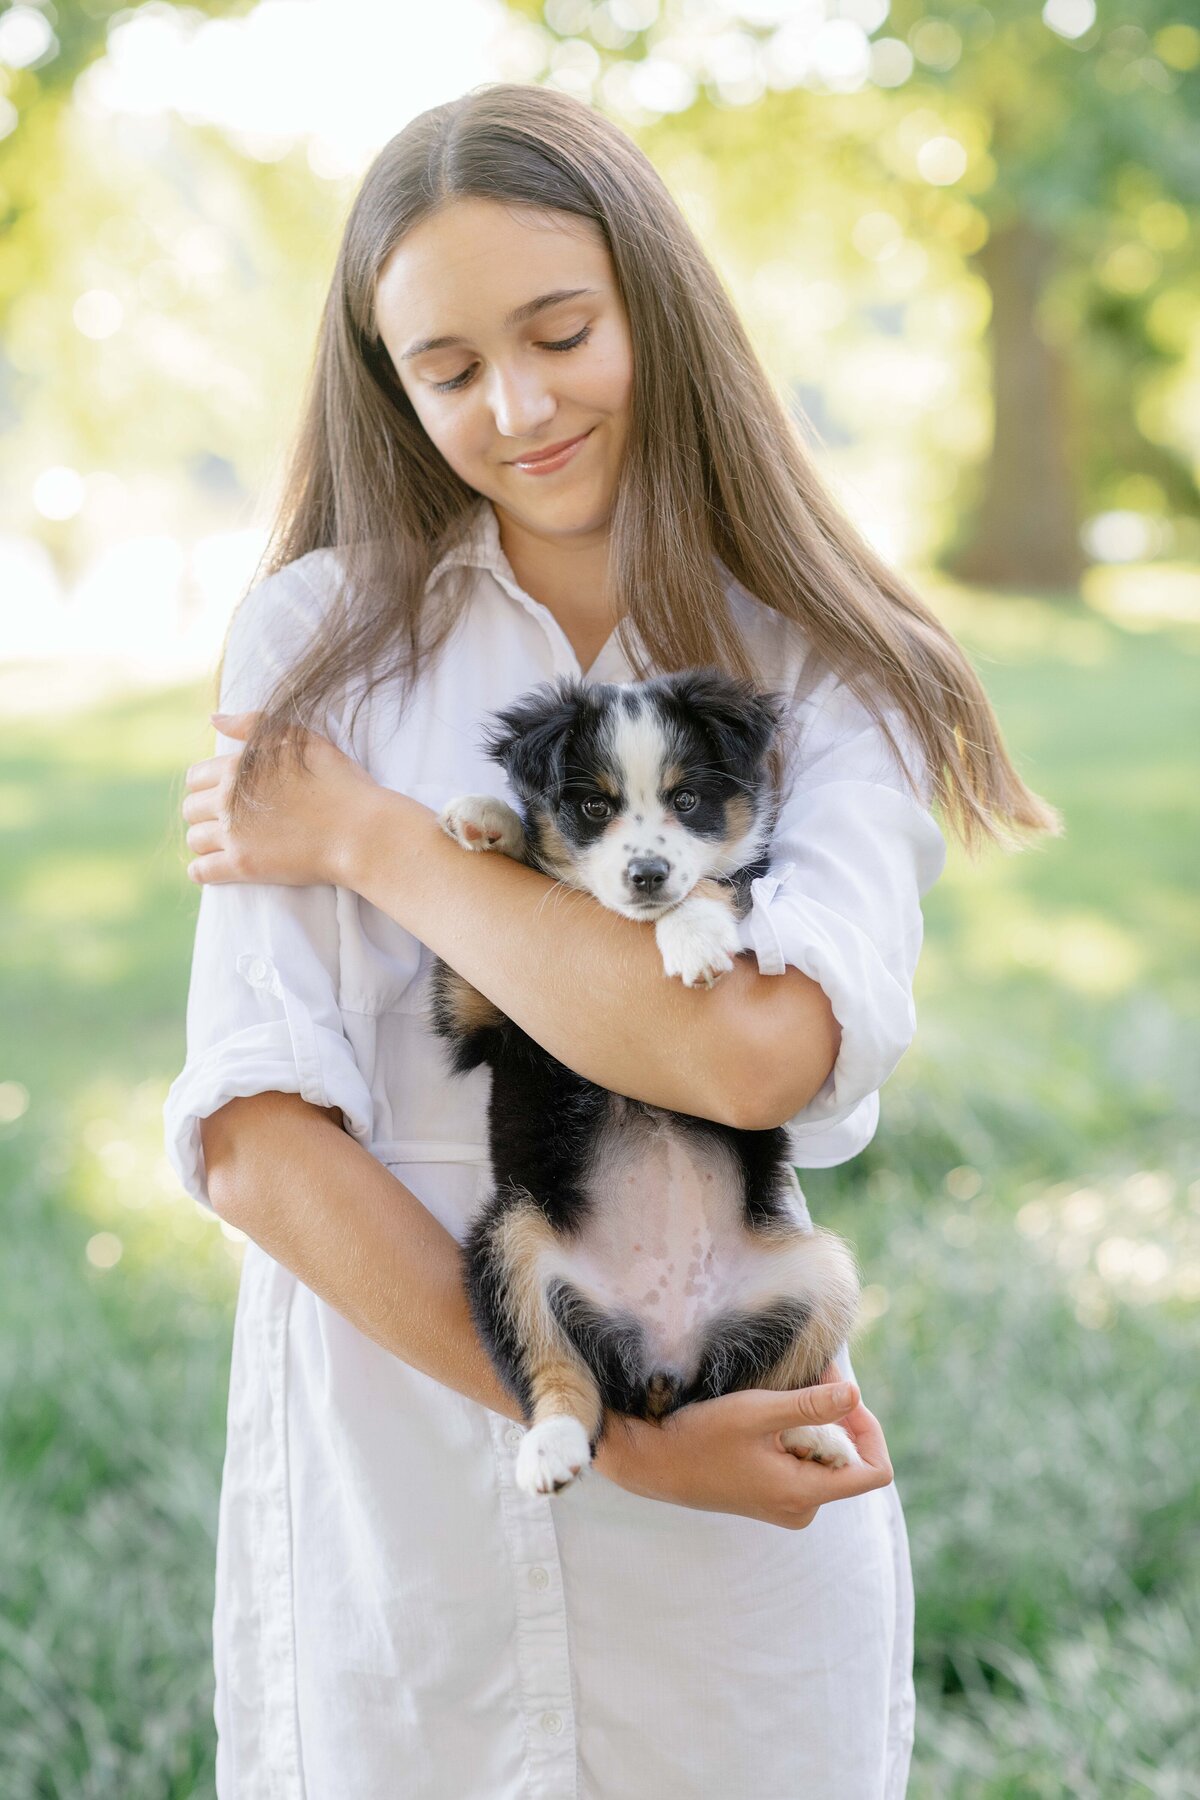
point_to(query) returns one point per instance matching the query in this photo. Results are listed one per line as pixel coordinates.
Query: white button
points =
(257, 970)
(538, 1578)
(552, 1722)
(513, 1436)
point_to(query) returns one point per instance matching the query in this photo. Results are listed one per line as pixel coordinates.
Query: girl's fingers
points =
(805, 1476)
(205, 837)
(234, 725)
(211, 771)
(864, 1428)
(205, 803)
(821, 1405)
(207, 870)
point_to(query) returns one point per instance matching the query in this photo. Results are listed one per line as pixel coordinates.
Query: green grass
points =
(1028, 1221)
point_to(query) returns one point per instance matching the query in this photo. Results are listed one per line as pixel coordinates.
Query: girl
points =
(537, 444)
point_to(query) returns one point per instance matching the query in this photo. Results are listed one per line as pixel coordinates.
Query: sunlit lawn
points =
(1028, 1220)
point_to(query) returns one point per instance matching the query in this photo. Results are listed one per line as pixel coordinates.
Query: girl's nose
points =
(521, 404)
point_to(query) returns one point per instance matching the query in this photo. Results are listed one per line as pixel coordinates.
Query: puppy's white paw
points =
(827, 1444)
(479, 822)
(551, 1455)
(698, 941)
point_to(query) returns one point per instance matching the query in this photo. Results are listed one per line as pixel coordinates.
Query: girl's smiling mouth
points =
(554, 456)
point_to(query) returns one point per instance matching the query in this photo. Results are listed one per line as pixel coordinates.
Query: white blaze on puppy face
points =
(647, 860)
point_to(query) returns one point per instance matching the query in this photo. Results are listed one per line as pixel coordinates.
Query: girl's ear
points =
(529, 739)
(741, 720)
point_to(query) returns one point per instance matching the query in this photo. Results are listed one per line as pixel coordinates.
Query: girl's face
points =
(509, 336)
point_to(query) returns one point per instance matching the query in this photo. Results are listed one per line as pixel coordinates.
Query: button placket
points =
(542, 1654)
(559, 642)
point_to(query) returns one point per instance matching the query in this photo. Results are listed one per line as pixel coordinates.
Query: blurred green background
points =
(964, 242)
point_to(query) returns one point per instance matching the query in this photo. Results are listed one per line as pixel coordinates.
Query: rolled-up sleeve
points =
(852, 854)
(262, 1011)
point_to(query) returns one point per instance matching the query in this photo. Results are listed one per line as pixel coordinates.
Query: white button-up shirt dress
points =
(394, 1619)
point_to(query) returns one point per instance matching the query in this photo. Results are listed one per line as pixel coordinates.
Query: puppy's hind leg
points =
(558, 1443)
(565, 1408)
(818, 1268)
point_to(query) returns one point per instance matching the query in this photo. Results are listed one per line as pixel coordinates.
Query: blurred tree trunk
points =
(1025, 532)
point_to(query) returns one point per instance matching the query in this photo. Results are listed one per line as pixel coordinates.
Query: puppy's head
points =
(636, 792)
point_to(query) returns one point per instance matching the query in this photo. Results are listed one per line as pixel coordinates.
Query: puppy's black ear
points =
(529, 738)
(740, 719)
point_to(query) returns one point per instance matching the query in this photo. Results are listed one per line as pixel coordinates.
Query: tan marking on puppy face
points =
(555, 851)
(560, 1381)
(608, 785)
(739, 816)
(745, 835)
(469, 1009)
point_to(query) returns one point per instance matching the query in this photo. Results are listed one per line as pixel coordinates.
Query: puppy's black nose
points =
(647, 873)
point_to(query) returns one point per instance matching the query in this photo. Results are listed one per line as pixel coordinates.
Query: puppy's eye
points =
(684, 800)
(594, 807)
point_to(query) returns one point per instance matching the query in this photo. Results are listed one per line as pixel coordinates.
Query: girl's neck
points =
(568, 575)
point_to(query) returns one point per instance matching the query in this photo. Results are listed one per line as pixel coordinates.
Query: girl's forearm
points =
(587, 984)
(286, 1174)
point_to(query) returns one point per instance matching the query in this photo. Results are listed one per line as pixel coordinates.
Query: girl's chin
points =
(588, 509)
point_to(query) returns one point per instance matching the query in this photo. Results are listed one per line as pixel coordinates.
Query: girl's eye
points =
(594, 801)
(460, 381)
(684, 800)
(571, 343)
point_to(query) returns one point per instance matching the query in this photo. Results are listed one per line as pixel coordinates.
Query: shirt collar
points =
(477, 547)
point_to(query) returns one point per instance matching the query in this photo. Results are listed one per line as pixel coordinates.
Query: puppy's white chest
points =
(665, 1239)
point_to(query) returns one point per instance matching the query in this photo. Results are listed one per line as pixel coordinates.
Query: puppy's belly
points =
(665, 1240)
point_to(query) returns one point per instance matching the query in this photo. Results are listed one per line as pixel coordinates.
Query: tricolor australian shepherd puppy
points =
(630, 1257)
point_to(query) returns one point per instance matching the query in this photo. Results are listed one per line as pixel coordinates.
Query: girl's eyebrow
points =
(520, 315)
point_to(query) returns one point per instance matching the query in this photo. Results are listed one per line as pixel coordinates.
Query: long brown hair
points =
(714, 470)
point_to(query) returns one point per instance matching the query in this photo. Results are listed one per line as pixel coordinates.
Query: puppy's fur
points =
(631, 1257)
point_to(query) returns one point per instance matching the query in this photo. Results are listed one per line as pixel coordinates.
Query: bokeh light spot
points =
(58, 492)
(1069, 18)
(104, 1250)
(98, 313)
(942, 161)
(891, 63)
(26, 35)
(14, 1102)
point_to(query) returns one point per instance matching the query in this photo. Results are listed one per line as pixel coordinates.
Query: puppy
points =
(630, 1257)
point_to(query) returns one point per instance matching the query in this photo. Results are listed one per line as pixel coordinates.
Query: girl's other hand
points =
(726, 1456)
(299, 828)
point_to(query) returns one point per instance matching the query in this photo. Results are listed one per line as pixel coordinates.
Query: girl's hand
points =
(299, 830)
(725, 1455)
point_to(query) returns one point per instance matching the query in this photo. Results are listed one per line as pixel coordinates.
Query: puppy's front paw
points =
(698, 940)
(479, 822)
(827, 1444)
(551, 1455)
